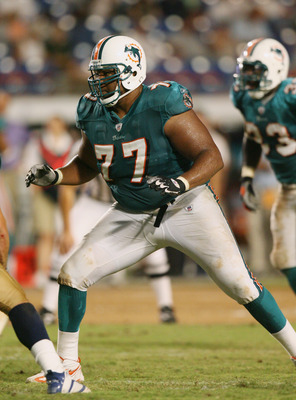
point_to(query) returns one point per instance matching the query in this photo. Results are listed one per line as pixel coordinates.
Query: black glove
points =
(248, 194)
(171, 186)
(41, 175)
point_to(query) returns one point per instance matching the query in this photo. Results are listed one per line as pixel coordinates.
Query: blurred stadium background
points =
(45, 47)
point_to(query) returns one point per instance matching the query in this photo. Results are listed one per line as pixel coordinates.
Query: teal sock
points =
(291, 276)
(266, 311)
(72, 305)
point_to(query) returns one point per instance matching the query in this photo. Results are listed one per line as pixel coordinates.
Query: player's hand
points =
(66, 242)
(171, 186)
(41, 175)
(248, 194)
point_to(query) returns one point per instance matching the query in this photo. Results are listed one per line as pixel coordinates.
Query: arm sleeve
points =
(289, 95)
(84, 108)
(178, 100)
(236, 97)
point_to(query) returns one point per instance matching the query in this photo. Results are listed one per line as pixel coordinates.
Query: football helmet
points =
(262, 66)
(119, 59)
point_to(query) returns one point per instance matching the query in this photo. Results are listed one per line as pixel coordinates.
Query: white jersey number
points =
(136, 148)
(286, 146)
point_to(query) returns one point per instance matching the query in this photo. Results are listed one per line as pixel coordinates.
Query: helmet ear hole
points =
(135, 73)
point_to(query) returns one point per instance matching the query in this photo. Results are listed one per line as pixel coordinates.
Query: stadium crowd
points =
(44, 43)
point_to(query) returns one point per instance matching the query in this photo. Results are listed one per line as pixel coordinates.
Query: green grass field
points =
(163, 362)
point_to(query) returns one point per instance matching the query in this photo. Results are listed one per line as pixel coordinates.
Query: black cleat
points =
(47, 316)
(167, 315)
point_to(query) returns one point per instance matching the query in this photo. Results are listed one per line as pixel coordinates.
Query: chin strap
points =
(112, 103)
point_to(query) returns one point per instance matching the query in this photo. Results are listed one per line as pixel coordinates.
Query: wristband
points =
(59, 177)
(186, 183)
(247, 172)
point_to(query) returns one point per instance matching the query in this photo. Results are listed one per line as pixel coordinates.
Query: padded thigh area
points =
(11, 293)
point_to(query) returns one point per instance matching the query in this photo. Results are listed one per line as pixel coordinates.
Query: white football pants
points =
(83, 217)
(283, 228)
(194, 224)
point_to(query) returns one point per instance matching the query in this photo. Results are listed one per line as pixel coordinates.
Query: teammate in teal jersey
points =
(28, 326)
(157, 157)
(267, 100)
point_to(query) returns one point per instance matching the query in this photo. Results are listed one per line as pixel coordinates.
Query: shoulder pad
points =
(236, 96)
(289, 86)
(174, 97)
(85, 107)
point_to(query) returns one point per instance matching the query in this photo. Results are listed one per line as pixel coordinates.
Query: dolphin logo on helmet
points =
(134, 54)
(278, 53)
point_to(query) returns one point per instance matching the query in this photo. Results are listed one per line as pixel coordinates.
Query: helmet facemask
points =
(110, 73)
(252, 76)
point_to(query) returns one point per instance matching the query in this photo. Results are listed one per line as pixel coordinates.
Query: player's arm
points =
(82, 168)
(251, 157)
(67, 195)
(190, 137)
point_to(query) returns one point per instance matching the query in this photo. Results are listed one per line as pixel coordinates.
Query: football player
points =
(28, 326)
(157, 157)
(267, 100)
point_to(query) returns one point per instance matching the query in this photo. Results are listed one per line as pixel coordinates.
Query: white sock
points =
(287, 338)
(68, 345)
(51, 296)
(46, 356)
(163, 290)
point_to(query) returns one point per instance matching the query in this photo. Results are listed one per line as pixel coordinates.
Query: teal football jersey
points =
(131, 148)
(272, 123)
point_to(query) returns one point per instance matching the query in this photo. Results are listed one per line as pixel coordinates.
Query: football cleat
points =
(61, 382)
(167, 315)
(73, 368)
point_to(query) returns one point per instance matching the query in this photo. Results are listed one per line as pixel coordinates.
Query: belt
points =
(160, 214)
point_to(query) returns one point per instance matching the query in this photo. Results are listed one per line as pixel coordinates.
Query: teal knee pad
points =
(266, 311)
(72, 305)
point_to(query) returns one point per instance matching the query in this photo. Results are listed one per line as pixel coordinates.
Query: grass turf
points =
(156, 362)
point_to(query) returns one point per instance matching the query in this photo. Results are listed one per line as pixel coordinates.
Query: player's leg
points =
(3, 321)
(4, 249)
(83, 216)
(214, 248)
(50, 299)
(44, 208)
(107, 249)
(31, 333)
(4, 241)
(283, 228)
(157, 269)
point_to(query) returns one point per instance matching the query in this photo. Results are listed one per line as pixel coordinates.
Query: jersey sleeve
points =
(84, 108)
(177, 100)
(288, 93)
(236, 97)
